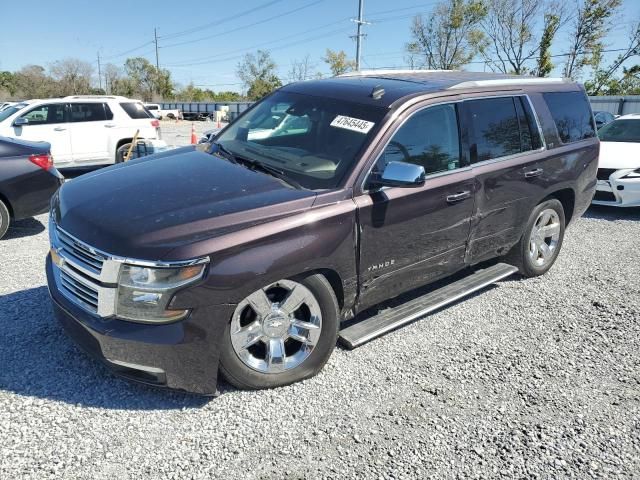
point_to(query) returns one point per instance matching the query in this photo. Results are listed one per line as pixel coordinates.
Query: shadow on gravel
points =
(37, 359)
(24, 228)
(601, 212)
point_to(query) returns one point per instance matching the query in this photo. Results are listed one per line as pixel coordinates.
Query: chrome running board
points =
(393, 318)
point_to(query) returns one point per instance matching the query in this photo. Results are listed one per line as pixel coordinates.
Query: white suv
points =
(82, 130)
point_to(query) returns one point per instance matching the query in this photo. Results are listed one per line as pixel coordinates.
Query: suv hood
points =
(148, 207)
(619, 155)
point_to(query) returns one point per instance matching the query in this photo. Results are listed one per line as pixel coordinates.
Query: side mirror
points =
(20, 121)
(399, 174)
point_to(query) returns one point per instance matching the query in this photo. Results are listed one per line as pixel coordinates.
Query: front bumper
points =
(618, 191)
(182, 355)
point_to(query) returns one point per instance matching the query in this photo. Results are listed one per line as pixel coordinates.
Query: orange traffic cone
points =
(194, 138)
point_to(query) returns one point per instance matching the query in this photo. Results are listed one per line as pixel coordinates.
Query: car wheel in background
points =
(280, 334)
(5, 219)
(538, 249)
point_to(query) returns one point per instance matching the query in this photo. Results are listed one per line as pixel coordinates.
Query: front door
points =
(47, 123)
(411, 236)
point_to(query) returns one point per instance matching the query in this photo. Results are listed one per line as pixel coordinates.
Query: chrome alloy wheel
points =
(277, 327)
(544, 237)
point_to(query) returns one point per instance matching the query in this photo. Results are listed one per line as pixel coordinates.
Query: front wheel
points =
(280, 334)
(5, 219)
(538, 249)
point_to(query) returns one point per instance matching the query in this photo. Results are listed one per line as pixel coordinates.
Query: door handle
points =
(458, 197)
(109, 125)
(59, 129)
(533, 173)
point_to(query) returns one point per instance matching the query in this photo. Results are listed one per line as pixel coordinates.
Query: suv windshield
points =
(620, 131)
(312, 140)
(6, 113)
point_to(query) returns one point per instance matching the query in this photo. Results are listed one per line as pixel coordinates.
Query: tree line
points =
(509, 36)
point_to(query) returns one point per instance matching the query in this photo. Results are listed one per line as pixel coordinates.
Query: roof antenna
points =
(377, 92)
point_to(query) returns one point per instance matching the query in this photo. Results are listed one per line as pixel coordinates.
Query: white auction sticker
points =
(355, 124)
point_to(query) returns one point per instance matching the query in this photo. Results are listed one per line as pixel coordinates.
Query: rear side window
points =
(572, 115)
(136, 110)
(501, 127)
(88, 112)
(46, 114)
(429, 138)
(496, 129)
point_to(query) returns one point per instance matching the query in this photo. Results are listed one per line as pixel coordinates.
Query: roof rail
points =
(500, 82)
(69, 97)
(365, 73)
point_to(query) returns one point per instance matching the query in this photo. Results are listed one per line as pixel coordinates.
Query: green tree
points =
(603, 81)
(146, 81)
(589, 29)
(551, 25)
(258, 74)
(511, 26)
(338, 62)
(33, 82)
(450, 36)
(8, 85)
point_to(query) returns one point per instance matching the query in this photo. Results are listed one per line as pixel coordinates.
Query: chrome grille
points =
(79, 290)
(83, 255)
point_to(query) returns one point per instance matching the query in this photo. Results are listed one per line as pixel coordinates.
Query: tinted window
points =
(620, 131)
(44, 114)
(87, 112)
(429, 138)
(136, 110)
(312, 140)
(572, 115)
(496, 128)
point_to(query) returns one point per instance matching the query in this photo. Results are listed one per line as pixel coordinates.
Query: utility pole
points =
(99, 72)
(359, 35)
(155, 36)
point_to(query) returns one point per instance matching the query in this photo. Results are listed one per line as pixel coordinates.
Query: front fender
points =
(319, 238)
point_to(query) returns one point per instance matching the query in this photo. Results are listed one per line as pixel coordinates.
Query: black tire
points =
(520, 256)
(237, 373)
(5, 219)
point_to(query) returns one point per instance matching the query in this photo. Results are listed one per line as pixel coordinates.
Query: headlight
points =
(144, 293)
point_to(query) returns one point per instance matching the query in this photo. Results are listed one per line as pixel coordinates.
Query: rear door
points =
(410, 236)
(90, 129)
(48, 123)
(506, 154)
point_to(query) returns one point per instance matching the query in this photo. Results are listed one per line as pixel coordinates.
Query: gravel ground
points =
(178, 133)
(534, 378)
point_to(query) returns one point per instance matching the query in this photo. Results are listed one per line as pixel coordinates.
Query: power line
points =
(259, 22)
(122, 54)
(306, 40)
(220, 21)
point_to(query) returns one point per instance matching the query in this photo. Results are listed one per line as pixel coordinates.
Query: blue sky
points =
(202, 41)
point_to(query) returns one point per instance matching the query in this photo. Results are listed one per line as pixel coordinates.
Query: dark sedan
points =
(28, 179)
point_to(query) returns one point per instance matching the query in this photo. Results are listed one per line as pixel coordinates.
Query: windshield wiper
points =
(273, 171)
(255, 164)
(224, 152)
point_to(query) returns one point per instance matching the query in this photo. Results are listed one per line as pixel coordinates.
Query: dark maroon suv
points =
(247, 255)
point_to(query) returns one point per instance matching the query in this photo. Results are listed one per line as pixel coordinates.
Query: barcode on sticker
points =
(355, 124)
